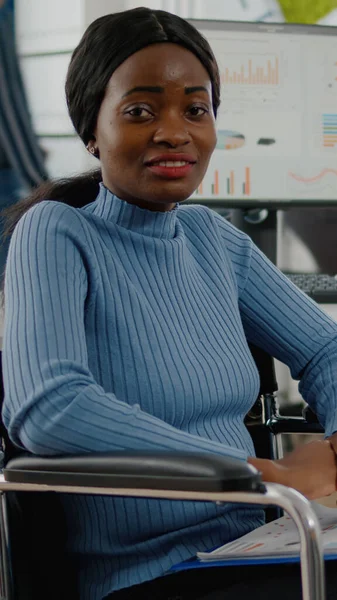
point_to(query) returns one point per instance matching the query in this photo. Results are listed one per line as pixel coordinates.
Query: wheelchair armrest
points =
(144, 470)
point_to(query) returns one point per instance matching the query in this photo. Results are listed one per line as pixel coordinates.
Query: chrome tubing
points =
(311, 553)
(291, 501)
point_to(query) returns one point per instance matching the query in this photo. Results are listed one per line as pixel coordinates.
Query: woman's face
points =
(155, 130)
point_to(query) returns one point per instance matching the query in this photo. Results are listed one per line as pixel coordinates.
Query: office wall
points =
(47, 32)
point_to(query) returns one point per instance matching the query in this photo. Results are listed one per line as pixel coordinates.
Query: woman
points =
(128, 314)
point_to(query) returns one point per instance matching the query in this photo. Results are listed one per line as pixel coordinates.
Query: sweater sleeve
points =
(285, 322)
(52, 403)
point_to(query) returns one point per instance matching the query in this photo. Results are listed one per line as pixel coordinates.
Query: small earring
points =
(93, 151)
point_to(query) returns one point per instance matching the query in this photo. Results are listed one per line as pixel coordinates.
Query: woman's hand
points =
(333, 441)
(310, 469)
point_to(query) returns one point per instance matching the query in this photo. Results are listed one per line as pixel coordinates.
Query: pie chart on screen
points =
(229, 140)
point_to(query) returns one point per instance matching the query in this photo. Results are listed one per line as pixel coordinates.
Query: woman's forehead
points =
(159, 64)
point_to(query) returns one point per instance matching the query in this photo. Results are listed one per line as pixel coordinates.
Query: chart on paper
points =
(277, 539)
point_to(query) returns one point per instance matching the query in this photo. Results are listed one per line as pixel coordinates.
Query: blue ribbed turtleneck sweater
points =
(127, 329)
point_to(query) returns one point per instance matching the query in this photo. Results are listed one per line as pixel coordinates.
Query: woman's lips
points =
(171, 169)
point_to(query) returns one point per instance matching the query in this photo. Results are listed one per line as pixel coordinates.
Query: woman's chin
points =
(172, 193)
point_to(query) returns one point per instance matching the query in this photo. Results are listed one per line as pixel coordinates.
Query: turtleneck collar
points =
(129, 216)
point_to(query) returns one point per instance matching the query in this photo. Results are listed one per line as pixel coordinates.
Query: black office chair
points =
(31, 525)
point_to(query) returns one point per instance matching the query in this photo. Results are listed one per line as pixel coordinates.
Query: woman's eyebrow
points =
(159, 90)
(144, 88)
(196, 88)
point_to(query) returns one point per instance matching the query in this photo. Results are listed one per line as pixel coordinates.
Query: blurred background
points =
(47, 31)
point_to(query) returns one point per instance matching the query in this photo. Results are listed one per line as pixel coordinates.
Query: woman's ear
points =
(92, 148)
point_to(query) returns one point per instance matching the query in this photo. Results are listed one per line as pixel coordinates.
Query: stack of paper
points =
(278, 539)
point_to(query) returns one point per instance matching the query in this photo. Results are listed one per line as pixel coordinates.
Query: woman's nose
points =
(172, 131)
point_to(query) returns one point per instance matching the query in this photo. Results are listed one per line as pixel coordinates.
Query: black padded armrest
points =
(145, 470)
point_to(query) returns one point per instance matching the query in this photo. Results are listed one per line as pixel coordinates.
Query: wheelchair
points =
(33, 562)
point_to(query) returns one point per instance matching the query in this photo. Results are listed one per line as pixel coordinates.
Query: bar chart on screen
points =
(225, 182)
(329, 130)
(259, 69)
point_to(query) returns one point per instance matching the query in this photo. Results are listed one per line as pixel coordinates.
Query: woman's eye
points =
(197, 111)
(138, 111)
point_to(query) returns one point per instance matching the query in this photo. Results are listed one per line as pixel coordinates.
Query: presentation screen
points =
(277, 123)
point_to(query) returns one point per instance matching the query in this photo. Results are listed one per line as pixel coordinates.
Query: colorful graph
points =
(329, 130)
(252, 73)
(229, 140)
(246, 184)
(315, 178)
(231, 185)
(215, 185)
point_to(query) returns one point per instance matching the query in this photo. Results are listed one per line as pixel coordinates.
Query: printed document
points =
(278, 539)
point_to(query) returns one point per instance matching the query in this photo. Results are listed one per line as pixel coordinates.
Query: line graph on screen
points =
(323, 182)
(315, 178)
